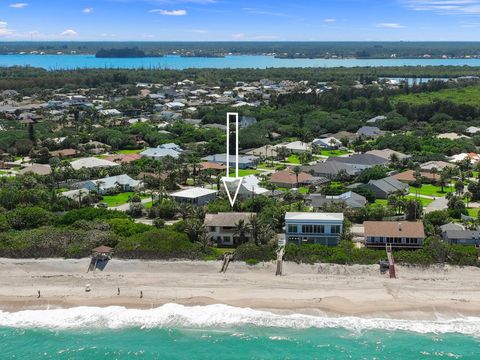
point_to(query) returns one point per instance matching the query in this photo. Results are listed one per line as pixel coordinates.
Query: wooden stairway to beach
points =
(280, 254)
(226, 261)
(391, 261)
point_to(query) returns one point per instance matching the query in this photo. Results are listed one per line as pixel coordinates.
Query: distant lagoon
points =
(65, 62)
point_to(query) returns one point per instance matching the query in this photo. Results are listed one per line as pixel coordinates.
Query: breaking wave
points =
(217, 316)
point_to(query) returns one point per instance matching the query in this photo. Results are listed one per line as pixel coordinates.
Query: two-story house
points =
(221, 227)
(313, 228)
(401, 235)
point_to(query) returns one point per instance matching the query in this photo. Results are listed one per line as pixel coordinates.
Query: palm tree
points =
(434, 172)
(296, 170)
(241, 230)
(468, 197)
(204, 239)
(194, 162)
(184, 209)
(256, 228)
(194, 229)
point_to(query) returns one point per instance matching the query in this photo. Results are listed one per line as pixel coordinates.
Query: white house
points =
(329, 143)
(196, 196)
(92, 162)
(122, 183)
(162, 151)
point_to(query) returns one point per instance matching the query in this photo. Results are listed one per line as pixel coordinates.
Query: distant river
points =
(59, 62)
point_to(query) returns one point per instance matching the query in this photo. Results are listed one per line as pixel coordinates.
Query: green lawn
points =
(293, 159)
(431, 190)
(332, 153)
(245, 172)
(467, 96)
(118, 199)
(267, 166)
(128, 152)
(382, 202)
(473, 212)
(425, 202)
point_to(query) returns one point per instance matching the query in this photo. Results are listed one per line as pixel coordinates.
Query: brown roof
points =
(64, 152)
(394, 229)
(407, 176)
(227, 219)
(102, 249)
(38, 169)
(213, 166)
(289, 177)
(163, 175)
(124, 158)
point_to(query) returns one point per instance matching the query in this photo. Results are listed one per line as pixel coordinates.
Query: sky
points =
(240, 20)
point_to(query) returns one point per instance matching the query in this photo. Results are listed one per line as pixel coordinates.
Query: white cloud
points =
(330, 20)
(390, 26)
(18, 5)
(4, 30)
(238, 36)
(87, 10)
(256, 11)
(199, 31)
(169, 12)
(445, 7)
(69, 33)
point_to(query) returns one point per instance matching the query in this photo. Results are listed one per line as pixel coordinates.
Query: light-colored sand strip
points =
(418, 293)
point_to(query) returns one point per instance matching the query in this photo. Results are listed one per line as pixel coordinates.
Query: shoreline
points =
(433, 293)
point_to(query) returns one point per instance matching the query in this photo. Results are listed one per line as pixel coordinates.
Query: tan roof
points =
(227, 219)
(102, 249)
(124, 158)
(408, 176)
(289, 177)
(394, 229)
(212, 166)
(64, 152)
(38, 169)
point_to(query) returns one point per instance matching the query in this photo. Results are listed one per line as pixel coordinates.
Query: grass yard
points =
(333, 153)
(245, 172)
(467, 96)
(267, 166)
(431, 190)
(423, 201)
(382, 202)
(119, 199)
(293, 159)
(128, 152)
(473, 212)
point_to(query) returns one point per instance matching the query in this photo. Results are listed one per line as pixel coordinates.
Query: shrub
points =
(90, 214)
(29, 218)
(126, 227)
(251, 251)
(159, 244)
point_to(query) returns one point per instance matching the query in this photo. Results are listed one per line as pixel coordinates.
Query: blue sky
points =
(241, 20)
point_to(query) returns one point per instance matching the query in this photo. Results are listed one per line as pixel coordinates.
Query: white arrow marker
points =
(229, 183)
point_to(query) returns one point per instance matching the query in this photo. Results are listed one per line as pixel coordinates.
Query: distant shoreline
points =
(333, 290)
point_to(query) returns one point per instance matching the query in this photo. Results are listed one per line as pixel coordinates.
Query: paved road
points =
(439, 204)
(126, 207)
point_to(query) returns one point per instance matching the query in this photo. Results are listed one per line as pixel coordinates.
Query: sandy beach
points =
(438, 292)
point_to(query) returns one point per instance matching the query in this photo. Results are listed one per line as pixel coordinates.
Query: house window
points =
(336, 229)
(227, 240)
(292, 228)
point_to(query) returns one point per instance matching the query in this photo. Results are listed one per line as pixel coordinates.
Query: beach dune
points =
(437, 292)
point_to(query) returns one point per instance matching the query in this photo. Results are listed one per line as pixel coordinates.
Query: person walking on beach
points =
(141, 294)
(118, 291)
(38, 296)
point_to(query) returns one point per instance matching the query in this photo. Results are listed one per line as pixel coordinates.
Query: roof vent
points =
(399, 226)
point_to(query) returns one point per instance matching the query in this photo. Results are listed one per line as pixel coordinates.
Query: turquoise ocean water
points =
(232, 343)
(53, 62)
(223, 332)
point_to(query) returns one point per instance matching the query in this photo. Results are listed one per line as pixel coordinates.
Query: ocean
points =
(222, 332)
(60, 62)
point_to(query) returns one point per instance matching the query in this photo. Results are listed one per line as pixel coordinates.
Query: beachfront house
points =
(195, 196)
(313, 228)
(221, 227)
(401, 235)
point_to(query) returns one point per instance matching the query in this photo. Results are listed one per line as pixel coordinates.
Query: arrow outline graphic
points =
(228, 179)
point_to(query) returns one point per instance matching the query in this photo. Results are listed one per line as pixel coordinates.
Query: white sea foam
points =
(215, 316)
